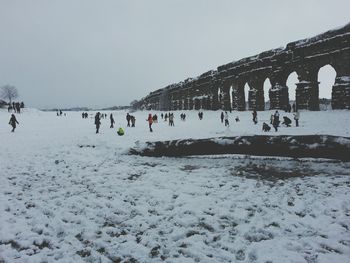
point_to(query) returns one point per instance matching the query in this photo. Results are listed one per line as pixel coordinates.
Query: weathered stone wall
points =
(212, 89)
(341, 93)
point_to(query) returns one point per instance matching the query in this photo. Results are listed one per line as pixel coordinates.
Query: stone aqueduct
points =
(224, 88)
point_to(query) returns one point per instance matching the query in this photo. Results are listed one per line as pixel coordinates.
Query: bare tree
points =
(8, 92)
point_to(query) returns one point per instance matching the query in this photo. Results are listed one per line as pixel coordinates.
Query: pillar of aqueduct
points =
(224, 88)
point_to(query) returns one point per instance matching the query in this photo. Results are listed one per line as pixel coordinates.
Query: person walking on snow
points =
(150, 121)
(276, 120)
(98, 121)
(296, 118)
(132, 119)
(128, 119)
(226, 119)
(155, 118)
(255, 117)
(13, 122)
(112, 120)
(171, 119)
(276, 116)
(222, 117)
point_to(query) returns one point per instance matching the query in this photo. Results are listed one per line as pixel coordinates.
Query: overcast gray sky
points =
(63, 53)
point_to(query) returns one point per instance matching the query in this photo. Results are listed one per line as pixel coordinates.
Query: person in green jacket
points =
(120, 131)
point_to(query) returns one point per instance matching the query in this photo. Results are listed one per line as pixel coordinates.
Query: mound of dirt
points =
(315, 146)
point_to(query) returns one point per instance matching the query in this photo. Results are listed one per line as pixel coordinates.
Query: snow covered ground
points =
(70, 195)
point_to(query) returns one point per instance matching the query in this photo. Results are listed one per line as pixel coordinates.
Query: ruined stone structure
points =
(224, 88)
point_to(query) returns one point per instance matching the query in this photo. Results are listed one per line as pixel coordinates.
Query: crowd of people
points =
(169, 117)
(60, 113)
(224, 116)
(98, 116)
(225, 119)
(15, 107)
(130, 119)
(275, 121)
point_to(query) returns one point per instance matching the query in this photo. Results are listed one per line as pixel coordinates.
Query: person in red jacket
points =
(150, 122)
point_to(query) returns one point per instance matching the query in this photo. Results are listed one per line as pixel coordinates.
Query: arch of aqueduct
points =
(223, 88)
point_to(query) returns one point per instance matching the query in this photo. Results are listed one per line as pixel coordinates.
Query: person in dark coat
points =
(132, 119)
(112, 120)
(98, 121)
(276, 120)
(155, 118)
(13, 122)
(286, 121)
(18, 107)
(128, 119)
(255, 117)
(200, 115)
(222, 116)
(226, 119)
(171, 119)
(266, 127)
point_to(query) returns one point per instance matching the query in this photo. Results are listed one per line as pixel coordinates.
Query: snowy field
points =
(70, 195)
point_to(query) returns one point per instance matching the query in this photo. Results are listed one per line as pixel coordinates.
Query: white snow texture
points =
(70, 195)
